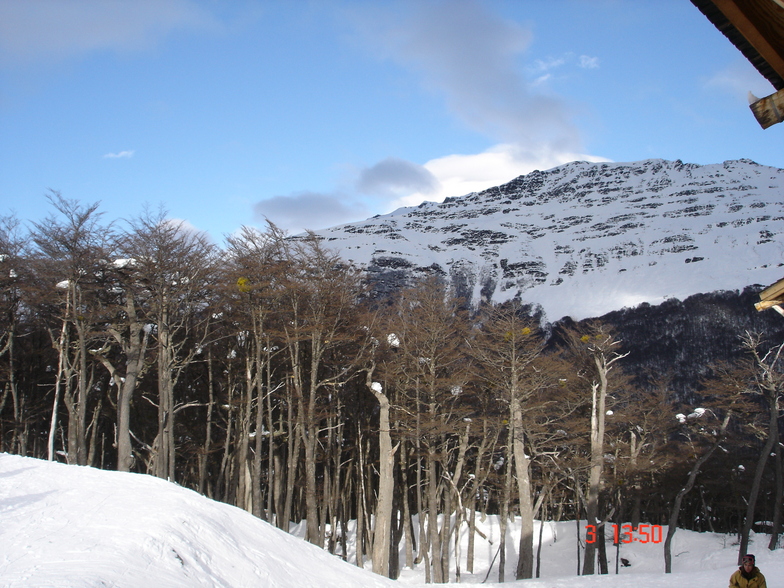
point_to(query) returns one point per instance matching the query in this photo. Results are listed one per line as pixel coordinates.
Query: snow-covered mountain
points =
(583, 239)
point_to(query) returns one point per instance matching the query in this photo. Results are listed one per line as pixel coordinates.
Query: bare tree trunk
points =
(125, 394)
(92, 433)
(770, 384)
(598, 392)
(446, 527)
(223, 476)
(476, 483)
(205, 455)
(263, 366)
(773, 437)
(294, 437)
(337, 468)
(164, 458)
(360, 539)
(776, 530)
(386, 481)
(78, 408)
(504, 515)
(274, 466)
(525, 562)
(12, 386)
(578, 494)
(61, 342)
(134, 346)
(311, 501)
(424, 545)
(432, 518)
(471, 533)
(408, 528)
(601, 547)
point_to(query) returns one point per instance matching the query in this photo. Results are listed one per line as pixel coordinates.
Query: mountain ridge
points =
(584, 239)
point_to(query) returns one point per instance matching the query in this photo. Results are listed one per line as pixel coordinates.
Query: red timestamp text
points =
(626, 534)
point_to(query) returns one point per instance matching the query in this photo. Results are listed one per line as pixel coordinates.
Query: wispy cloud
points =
(471, 56)
(738, 78)
(306, 210)
(587, 62)
(543, 66)
(52, 30)
(120, 155)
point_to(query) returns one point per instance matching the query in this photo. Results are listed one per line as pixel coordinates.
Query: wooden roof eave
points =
(756, 28)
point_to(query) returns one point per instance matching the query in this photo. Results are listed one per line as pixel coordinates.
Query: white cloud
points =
(462, 174)
(120, 155)
(541, 65)
(544, 66)
(542, 80)
(587, 62)
(186, 227)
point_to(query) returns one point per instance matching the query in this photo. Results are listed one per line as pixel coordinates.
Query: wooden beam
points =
(773, 291)
(754, 30)
(769, 110)
(765, 304)
(772, 297)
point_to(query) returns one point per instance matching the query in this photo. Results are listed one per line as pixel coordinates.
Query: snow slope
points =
(64, 525)
(583, 239)
(69, 526)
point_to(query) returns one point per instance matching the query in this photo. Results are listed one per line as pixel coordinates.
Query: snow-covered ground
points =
(69, 526)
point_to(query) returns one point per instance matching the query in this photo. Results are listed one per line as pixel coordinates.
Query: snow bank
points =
(76, 526)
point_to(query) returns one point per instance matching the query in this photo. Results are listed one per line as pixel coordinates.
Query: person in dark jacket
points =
(748, 575)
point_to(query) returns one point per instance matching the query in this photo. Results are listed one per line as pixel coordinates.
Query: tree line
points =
(269, 374)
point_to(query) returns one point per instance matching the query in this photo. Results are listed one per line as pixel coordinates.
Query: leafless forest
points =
(265, 373)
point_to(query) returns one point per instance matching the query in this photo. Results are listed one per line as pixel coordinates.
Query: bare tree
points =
(768, 384)
(321, 294)
(257, 262)
(430, 371)
(127, 330)
(12, 272)
(386, 480)
(72, 247)
(596, 352)
(173, 272)
(506, 348)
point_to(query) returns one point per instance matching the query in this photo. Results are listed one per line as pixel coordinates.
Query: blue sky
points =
(316, 113)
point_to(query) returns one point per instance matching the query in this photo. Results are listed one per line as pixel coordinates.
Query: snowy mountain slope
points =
(583, 239)
(73, 526)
